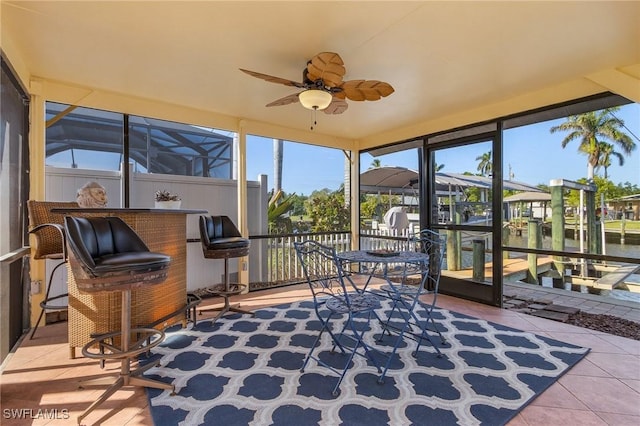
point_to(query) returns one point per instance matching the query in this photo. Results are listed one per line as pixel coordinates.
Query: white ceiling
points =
(442, 58)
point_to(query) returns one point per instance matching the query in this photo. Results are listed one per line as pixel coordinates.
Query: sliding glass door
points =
(461, 193)
(14, 187)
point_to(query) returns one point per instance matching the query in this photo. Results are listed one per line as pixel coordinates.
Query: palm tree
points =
(347, 178)
(437, 167)
(591, 129)
(485, 165)
(277, 164)
(277, 212)
(606, 151)
(375, 163)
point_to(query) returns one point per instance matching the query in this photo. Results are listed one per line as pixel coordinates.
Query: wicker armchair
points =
(48, 229)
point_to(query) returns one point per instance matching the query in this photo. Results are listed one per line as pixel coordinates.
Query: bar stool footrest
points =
(221, 289)
(148, 338)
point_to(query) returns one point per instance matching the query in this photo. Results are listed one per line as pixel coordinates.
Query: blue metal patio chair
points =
(333, 303)
(406, 296)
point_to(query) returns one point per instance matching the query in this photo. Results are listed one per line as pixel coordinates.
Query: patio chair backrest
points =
(322, 269)
(434, 244)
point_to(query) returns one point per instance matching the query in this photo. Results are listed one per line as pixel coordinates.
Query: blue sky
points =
(307, 168)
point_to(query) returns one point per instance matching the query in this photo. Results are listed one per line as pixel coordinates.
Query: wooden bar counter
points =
(164, 231)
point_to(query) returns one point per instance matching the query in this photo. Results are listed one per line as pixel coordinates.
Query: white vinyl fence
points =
(216, 196)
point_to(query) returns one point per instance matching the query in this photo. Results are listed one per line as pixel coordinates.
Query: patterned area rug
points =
(246, 371)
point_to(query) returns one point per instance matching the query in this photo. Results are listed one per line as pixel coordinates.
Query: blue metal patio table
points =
(387, 265)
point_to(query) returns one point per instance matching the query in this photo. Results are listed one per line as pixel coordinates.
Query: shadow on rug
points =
(245, 371)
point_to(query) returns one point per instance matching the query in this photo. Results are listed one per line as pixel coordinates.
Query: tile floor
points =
(39, 383)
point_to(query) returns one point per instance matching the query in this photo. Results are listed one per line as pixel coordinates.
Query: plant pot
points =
(168, 204)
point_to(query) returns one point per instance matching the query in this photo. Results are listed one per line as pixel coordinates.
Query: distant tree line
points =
(323, 210)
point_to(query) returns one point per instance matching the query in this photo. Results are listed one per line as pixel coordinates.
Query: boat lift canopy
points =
(402, 180)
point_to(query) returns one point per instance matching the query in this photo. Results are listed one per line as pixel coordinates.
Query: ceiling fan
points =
(324, 88)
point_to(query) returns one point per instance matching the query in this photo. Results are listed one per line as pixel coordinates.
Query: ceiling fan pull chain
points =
(313, 117)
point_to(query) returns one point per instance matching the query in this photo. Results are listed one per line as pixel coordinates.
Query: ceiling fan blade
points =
(327, 66)
(293, 98)
(272, 79)
(338, 94)
(337, 106)
(366, 90)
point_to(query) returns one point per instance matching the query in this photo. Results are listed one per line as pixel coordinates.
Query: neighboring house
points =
(628, 206)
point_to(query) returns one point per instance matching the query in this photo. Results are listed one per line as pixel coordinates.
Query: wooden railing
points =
(283, 266)
(371, 239)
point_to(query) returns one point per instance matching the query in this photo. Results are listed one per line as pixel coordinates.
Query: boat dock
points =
(618, 278)
(585, 302)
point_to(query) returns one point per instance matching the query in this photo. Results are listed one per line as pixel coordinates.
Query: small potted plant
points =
(167, 200)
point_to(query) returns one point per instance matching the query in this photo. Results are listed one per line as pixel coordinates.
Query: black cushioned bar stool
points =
(222, 240)
(106, 255)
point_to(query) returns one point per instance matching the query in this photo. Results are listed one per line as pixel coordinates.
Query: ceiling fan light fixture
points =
(315, 99)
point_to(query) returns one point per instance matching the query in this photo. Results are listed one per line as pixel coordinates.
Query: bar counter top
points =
(125, 210)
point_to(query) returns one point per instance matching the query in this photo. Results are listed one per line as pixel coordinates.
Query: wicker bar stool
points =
(106, 255)
(47, 227)
(221, 240)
